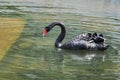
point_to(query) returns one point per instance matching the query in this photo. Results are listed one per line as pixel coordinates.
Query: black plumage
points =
(90, 41)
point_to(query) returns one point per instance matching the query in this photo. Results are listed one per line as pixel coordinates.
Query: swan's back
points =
(85, 37)
(78, 42)
(84, 41)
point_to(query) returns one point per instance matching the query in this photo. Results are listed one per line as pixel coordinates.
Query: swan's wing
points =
(85, 37)
(84, 45)
(90, 37)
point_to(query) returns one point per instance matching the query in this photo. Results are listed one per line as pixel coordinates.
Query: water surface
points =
(33, 57)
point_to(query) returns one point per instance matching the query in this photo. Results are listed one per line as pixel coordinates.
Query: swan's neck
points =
(61, 35)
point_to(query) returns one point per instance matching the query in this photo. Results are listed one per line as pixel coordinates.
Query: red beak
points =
(44, 32)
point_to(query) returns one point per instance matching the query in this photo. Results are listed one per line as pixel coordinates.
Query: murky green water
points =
(33, 57)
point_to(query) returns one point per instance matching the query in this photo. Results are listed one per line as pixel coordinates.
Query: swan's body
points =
(84, 41)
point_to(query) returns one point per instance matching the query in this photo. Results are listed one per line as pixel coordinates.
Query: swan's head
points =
(46, 30)
(50, 26)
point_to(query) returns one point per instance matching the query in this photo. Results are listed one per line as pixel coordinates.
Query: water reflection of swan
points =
(91, 41)
(81, 55)
(88, 57)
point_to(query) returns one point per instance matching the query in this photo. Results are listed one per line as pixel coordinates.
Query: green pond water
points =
(33, 57)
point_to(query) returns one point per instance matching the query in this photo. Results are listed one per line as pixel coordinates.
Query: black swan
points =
(90, 41)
